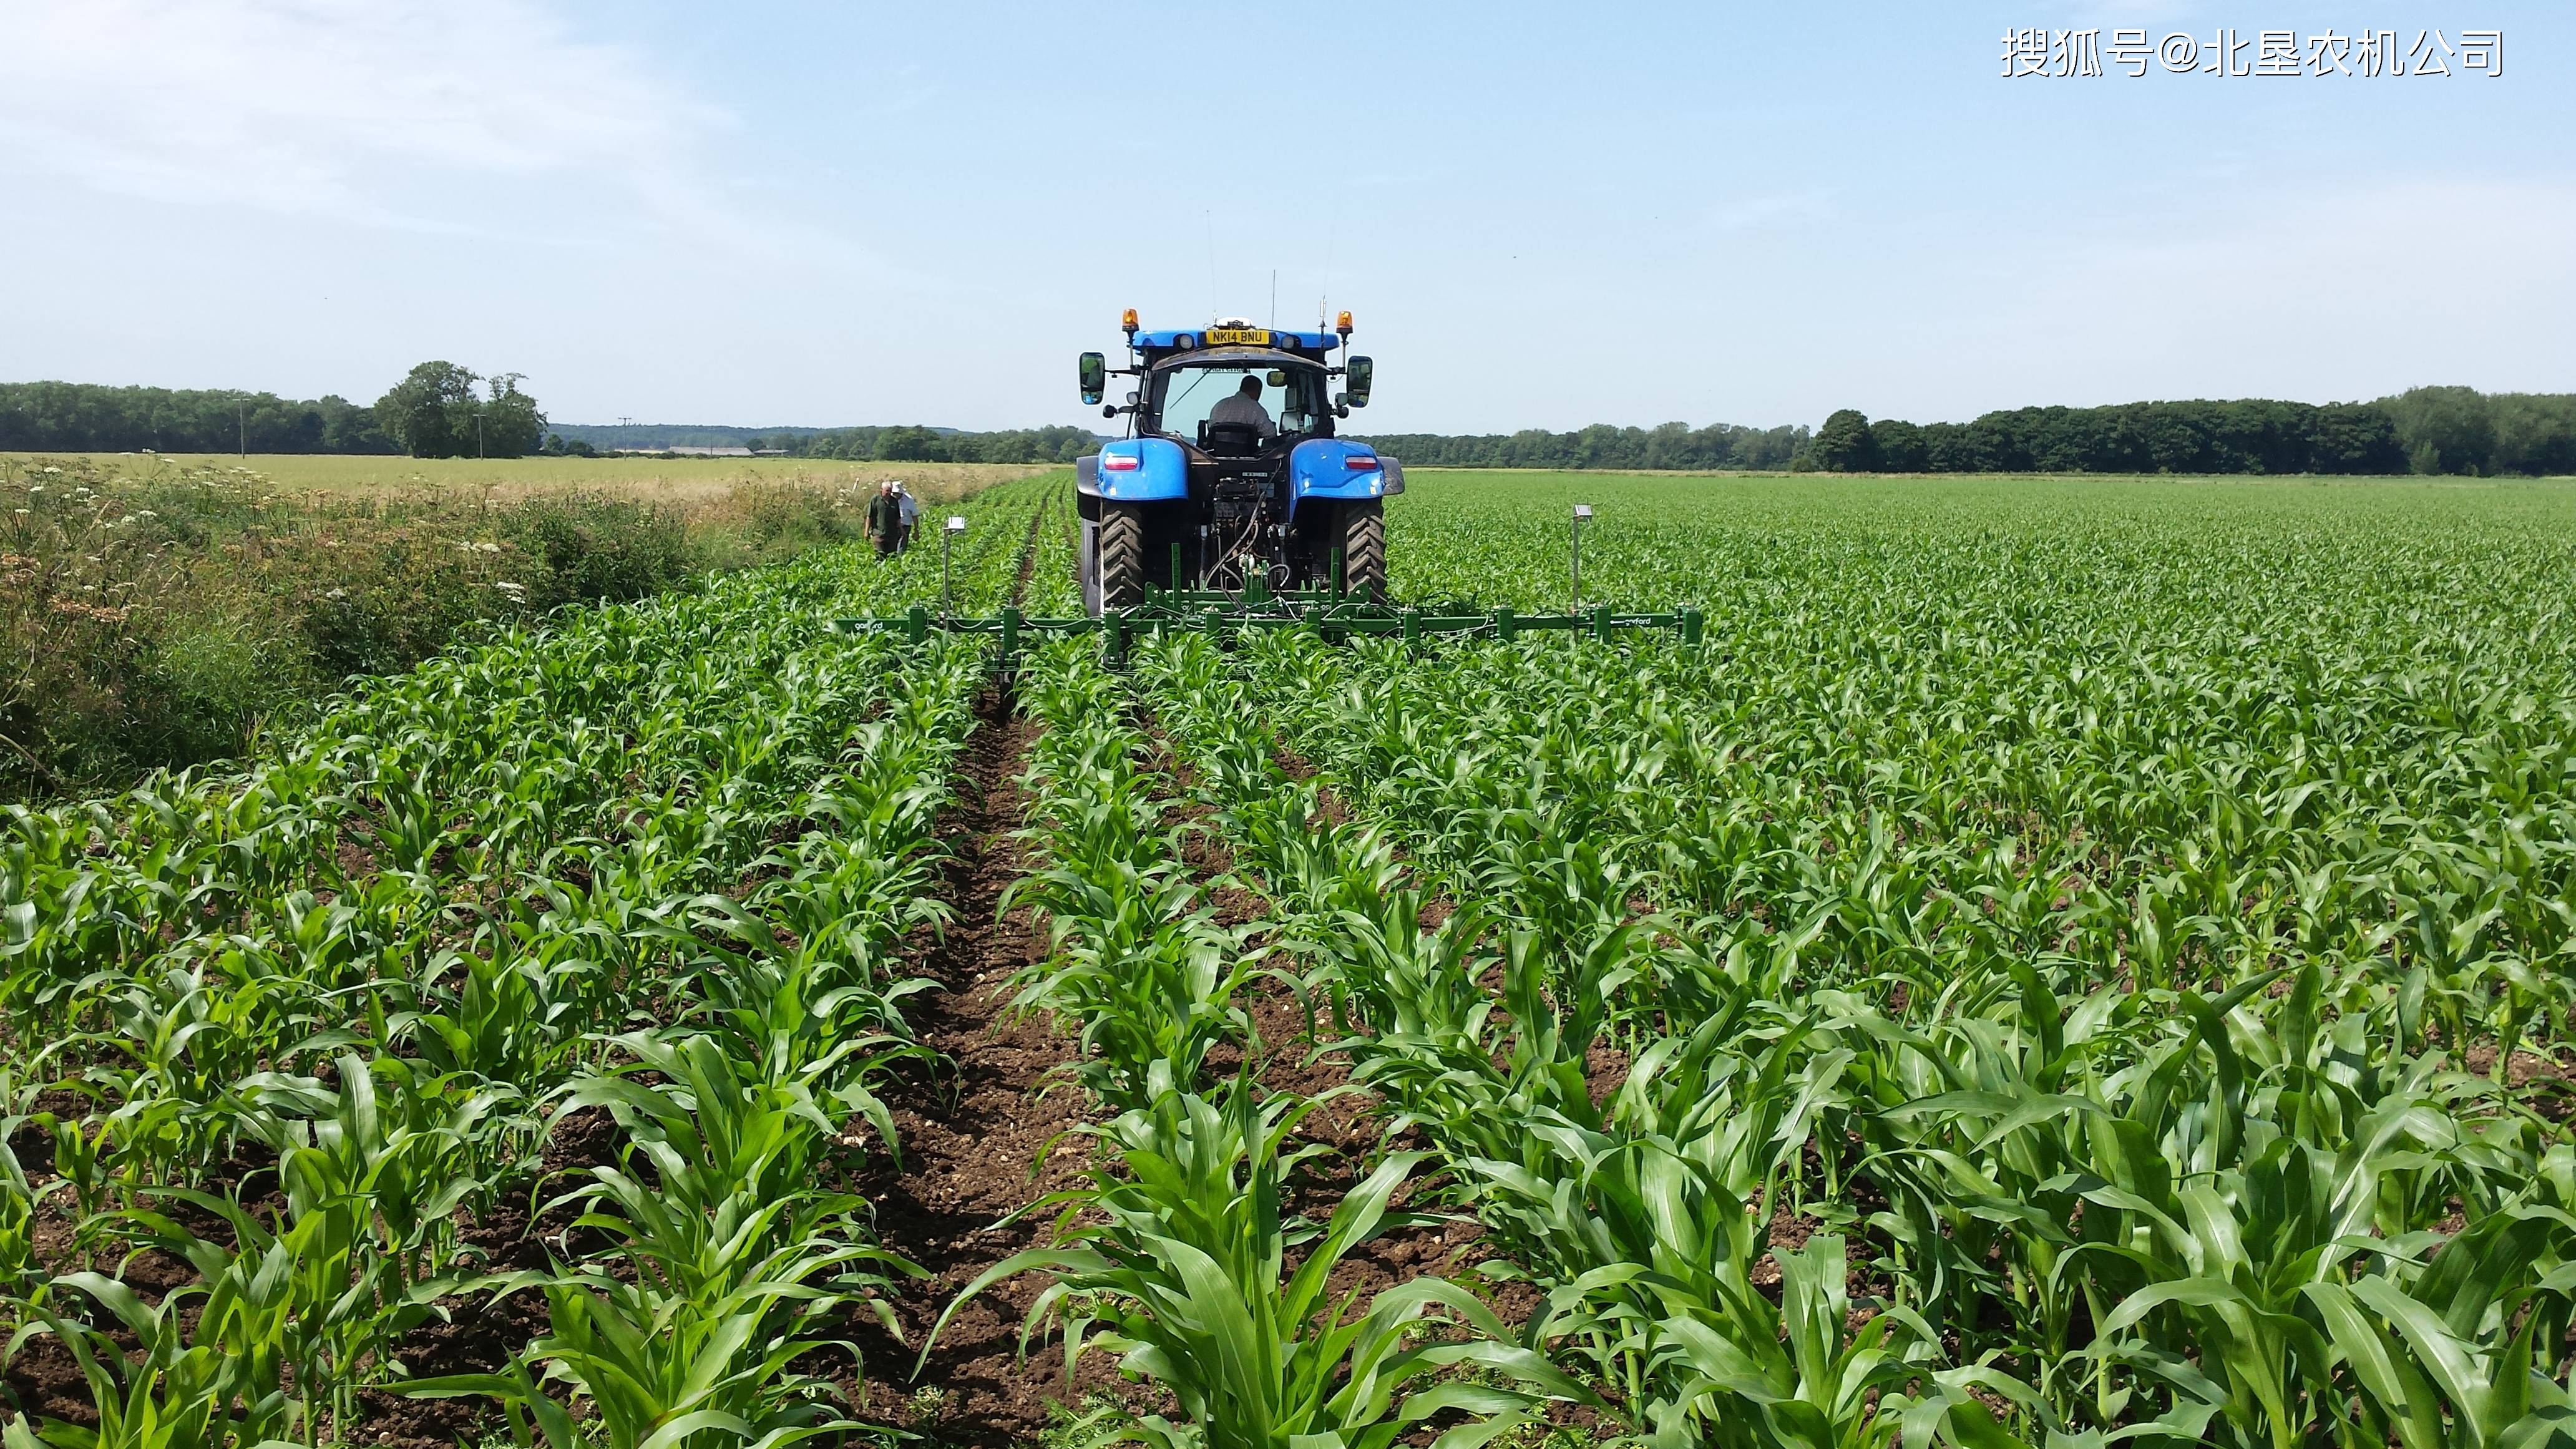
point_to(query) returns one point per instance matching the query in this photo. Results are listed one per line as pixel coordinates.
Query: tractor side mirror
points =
(1094, 372)
(1359, 372)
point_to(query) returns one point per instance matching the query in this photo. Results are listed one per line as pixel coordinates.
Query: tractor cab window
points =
(1290, 397)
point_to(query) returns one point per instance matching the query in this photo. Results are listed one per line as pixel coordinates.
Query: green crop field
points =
(2061, 961)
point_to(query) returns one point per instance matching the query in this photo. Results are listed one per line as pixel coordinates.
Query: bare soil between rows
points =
(985, 1131)
(981, 1134)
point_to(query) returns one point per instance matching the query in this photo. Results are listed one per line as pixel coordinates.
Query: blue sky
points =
(1543, 215)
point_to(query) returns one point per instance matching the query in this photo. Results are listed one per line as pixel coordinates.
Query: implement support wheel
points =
(1122, 555)
(1364, 549)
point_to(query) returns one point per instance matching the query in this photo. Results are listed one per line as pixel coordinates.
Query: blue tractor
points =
(1230, 478)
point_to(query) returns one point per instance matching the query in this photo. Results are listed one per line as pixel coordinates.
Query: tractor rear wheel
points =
(1364, 549)
(1122, 555)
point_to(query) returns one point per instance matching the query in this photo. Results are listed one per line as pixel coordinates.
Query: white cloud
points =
(335, 107)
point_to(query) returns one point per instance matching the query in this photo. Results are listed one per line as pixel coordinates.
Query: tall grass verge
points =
(156, 615)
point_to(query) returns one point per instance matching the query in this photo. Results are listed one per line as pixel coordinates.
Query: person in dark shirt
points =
(885, 520)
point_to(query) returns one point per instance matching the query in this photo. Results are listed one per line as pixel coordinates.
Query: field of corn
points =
(2072, 963)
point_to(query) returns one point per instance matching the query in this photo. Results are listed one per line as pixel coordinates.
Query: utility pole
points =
(241, 417)
(478, 433)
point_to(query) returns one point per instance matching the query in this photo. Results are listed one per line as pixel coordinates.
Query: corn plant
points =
(663, 1369)
(399, 1149)
(206, 1387)
(1178, 1261)
(1743, 1370)
(1144, 969)
(715, 1127)
(20, 1272)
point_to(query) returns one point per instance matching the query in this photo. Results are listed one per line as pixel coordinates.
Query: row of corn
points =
(286, 1050)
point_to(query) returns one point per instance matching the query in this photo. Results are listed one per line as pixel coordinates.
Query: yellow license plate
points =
(1238, 337)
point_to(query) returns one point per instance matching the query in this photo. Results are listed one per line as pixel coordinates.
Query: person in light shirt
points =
(909, 509)
(1245, 407)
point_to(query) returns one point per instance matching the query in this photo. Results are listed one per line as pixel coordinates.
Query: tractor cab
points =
(1236, 403)
(1231, 476)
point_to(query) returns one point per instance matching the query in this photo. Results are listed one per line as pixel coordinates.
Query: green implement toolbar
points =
(1334, 616)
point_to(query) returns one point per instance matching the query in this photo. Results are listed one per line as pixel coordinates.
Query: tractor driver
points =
(1245, 407)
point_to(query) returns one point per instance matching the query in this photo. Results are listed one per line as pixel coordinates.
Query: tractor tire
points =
(1364, 549)
(1122, 556)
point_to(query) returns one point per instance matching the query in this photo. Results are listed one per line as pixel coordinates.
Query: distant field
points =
(1501, 536)
(659, 480)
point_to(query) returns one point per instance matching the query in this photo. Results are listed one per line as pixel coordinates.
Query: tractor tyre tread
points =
(1122, 556)
(1364, 549)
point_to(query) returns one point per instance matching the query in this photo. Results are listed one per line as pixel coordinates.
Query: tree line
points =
(434, 412)
(78, 417)
(905, 443)
(654, 437)
(912, 443)
(2426, 430)
(1673, 445)
(437, 411)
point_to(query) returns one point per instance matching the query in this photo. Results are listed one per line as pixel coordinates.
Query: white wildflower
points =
(337, 594)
